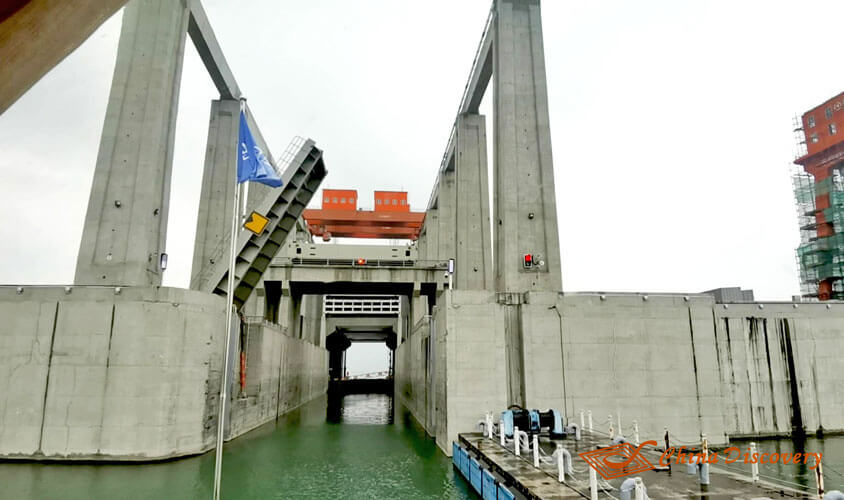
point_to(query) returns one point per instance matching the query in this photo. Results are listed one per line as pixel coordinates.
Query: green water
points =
(355, 448)
(831, 448)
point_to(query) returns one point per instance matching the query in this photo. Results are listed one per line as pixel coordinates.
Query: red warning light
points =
(528, 260)
(361, 262)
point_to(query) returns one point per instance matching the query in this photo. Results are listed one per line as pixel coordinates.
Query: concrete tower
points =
(524, 218)
(525, 208)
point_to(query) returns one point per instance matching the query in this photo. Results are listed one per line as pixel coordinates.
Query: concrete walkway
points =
(542, 483)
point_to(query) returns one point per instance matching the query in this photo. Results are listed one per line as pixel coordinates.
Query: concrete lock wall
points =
(648, 358)
(672, 361)
(411, 371)
(128, 374)
(780, 366)
(449, 371)
(281, 373)
(477, 381)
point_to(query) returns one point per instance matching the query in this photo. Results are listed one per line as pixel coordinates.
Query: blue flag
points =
(252, 164)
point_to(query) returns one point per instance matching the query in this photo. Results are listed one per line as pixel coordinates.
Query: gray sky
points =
(671, 125)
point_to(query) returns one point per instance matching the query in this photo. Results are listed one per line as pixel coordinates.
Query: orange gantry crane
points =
(339, 216)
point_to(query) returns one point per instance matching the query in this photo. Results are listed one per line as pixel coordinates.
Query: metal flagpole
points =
(218, 464)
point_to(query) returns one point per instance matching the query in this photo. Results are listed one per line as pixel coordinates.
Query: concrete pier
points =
(519, 475)
(126, 224)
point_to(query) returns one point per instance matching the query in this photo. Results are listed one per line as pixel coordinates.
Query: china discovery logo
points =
(618, 460)
(624, 459)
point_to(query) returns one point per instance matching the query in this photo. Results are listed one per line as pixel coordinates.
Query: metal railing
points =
(290, 153)
(377, 263)
(369, 376)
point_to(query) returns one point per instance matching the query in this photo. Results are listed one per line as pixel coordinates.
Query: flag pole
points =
(218, 463)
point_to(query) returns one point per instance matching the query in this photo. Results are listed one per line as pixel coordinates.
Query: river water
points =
(831, 449)
(359, 446)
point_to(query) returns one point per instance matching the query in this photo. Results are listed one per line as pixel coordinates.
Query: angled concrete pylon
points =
(525, 214)
(473, 242)
(126, 223)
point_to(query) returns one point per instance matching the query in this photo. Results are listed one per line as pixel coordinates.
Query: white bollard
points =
(581, 420)
(536, 450)
(517, 441)
(501, 431)
(593, 484)
(754, 467)
(489, 424)
(561, 466)
(819, 479)
(640, 488)
(590, 420)
(636, 433)
(620, 429)
(612, 432)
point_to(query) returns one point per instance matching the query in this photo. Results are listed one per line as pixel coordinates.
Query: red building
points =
(819, 191)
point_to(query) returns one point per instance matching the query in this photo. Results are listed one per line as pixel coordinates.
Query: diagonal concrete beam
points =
(473, 94)
(206, 44)
(481, 71)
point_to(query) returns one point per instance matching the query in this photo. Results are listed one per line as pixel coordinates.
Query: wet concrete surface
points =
(542, 483)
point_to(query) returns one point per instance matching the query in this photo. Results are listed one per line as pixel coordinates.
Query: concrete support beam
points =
(209, 50)
(218, 182)
(432, 231)
(525, 218)
(481, 71)
(38, 34)
(422, 246)
(126, 223)
(447, 215)
(474, 248)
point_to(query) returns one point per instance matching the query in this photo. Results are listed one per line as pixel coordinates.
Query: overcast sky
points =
(671, 125)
